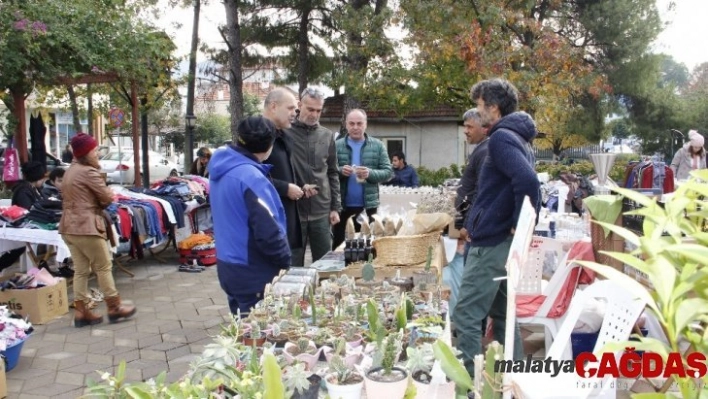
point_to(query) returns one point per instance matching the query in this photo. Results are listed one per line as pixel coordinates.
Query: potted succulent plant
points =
(255, 337)
(342, 349)
(299, 383)
(304, 350)
(386, 381)
(342, 382)
(276, 336)
(425, 277)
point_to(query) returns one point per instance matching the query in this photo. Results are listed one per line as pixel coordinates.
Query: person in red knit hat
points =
(85, 231)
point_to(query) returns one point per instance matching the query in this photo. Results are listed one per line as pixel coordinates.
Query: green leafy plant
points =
(672, 255)
(429, 259)
(313, 306)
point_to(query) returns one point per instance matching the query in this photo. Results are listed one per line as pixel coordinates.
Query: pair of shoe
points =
(186, 268)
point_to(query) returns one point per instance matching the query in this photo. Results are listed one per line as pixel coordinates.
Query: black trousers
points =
(339, 229)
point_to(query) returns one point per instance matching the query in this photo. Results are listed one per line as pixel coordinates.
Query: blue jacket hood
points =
(224, 160)
(519, 122)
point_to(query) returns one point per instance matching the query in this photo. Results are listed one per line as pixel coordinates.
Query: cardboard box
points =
(41, 305)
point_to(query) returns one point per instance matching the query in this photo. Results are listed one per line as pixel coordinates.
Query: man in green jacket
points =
(363, 165)
(314, 159)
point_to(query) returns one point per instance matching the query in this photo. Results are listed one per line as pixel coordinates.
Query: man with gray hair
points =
(279, 107)
(314, 158)
(476, 135)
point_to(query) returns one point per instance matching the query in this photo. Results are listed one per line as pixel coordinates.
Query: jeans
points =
(318, 234)
(482, 296)
(90, 253)
(340, 228)
(452, 277)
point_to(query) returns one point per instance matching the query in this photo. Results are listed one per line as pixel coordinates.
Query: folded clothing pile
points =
(45, 212)
(13, 214)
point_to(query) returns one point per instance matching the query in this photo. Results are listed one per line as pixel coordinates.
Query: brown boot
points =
(83, 315)
(116, 310)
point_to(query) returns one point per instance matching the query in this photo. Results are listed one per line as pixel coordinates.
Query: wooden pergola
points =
(108, 77)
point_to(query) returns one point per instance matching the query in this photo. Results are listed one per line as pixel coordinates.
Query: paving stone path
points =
(178, 313)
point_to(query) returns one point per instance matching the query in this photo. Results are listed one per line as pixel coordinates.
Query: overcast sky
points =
(684, 37)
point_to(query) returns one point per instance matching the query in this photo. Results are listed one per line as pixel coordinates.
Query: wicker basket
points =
(613, 242)
(404, 250)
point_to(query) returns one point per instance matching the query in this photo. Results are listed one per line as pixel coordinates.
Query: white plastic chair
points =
(553, 289)
(622, 312)
(530, 281)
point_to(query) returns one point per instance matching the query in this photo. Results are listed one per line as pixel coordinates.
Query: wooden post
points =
(136, 139)
(18, 97)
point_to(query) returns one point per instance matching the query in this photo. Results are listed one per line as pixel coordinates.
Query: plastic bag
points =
(11, 171)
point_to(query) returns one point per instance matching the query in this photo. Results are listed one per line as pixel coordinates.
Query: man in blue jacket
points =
(507, 177)
(250, 230)
(404, 175)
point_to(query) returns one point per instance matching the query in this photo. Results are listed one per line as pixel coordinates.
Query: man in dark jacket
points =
(253, 245)
(363, 165)
(507, 177)
(476, 135)
(315, 160)
(280, 108)
(404, 175)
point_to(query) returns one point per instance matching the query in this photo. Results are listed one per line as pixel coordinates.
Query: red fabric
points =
(160, 212)
(11, 171)
(528, 305)
(126, 223)
(648, 179)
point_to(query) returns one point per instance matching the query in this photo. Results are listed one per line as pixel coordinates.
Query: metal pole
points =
(189, 151)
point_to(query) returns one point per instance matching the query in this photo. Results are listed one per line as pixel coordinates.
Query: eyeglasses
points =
(312, 92)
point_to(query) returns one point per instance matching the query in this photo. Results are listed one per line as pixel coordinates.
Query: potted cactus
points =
(342, 382)
(368, 275)
(255, 337)
(276, 336)
(304, 350)
(350, 355)
(426, 276)
(386, 381)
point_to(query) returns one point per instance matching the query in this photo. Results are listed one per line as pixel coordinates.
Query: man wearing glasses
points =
(315, 161)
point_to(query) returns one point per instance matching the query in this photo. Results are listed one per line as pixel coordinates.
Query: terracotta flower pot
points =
(250, 341)
(379, 386)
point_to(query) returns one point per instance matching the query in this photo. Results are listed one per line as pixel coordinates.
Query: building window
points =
(394, 145)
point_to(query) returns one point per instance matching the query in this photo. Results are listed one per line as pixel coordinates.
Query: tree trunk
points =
(235, 48)
(189, 152)
(90, 109)
(74, 108)
(18, 96)
(144, 142)
(303, 50)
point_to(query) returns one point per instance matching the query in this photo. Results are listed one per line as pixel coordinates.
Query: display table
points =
(13, 238)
